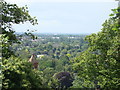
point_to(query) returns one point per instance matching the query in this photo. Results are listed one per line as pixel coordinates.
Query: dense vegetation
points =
(16, 72)
(65, 61)
(53, 52)
(100, 64)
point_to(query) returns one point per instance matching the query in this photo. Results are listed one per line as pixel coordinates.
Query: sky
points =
(66, 16)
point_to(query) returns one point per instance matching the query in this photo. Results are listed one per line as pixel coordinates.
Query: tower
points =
(34, 61)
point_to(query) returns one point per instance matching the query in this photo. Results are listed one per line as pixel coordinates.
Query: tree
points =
(12, 14)
(64, 78)
(16, 73)
(99, 65)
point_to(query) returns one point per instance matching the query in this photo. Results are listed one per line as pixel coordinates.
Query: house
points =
(40, 56)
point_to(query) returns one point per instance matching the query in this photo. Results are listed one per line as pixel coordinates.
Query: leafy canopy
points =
(16, 73)
(12, 14)
(100, 63)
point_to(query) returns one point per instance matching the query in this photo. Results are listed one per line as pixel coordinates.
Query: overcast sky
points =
(66, 16)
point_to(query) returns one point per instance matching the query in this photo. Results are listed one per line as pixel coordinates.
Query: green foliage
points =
(0, 72)
(53, 83)
(101, 61)
(98, 65)
(18, 73)
(77, 83)
(12, 14)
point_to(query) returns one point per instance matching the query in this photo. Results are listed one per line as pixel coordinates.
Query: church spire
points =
(34, 61)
